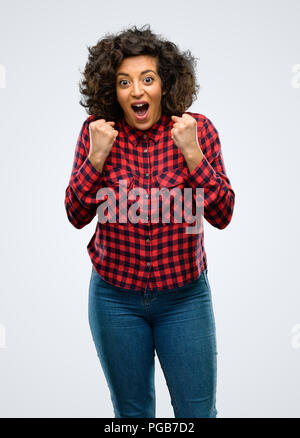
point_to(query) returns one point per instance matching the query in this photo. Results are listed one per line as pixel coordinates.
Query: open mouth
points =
(140, 110)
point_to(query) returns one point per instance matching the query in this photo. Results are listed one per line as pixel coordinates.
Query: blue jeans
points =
(128, 327)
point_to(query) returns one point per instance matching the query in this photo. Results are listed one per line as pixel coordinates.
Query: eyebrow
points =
(143, 72)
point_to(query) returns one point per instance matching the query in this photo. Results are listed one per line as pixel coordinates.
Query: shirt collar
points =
(154, 132)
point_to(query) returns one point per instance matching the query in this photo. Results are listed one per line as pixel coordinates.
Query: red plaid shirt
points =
(158, 255)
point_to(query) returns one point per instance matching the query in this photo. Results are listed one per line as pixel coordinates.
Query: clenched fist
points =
(184, 133)
(102, 138)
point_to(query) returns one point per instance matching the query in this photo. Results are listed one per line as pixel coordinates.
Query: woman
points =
(149, 290)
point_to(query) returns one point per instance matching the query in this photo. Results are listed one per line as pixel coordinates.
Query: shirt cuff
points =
(202, 174)
(87, 179)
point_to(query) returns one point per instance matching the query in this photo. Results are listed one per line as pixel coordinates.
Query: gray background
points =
(249, 53)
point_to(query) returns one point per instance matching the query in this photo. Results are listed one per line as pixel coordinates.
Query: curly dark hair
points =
(176, 70)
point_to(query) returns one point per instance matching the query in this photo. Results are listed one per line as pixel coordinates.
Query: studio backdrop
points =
(248, 68)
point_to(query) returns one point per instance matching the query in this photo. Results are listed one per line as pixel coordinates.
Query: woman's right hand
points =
(102, 138)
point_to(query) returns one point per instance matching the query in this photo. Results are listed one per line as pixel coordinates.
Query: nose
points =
(137, 89)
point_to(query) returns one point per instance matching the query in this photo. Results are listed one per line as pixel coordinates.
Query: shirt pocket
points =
(112, 180)
(172, 178)
(171, 184)
(113, 176)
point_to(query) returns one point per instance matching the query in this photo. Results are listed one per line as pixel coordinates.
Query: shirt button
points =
(145, 136)
(145, 150)
(147, 174)
(147, 196)
(147, 240)
(148, 263)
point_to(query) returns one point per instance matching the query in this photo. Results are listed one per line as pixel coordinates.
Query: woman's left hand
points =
(184, 133)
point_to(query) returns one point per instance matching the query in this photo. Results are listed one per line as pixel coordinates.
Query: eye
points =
(121, 82)
(149, 77)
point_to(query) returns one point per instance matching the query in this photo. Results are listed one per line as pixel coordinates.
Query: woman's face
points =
(137, 81)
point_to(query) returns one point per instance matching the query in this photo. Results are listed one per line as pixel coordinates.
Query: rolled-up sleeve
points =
(210, 174)
(80, 195)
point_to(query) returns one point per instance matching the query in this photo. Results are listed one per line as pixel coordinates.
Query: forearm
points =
(86, 179)
(78, 215)
(193, 157)
(219, 197)
(97, 161)
(81, 194)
